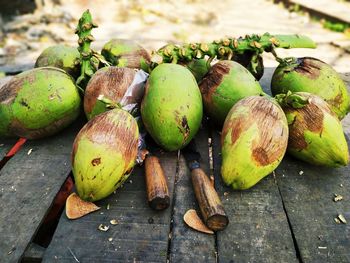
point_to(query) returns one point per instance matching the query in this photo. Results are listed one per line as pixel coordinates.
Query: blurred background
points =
(29, 26)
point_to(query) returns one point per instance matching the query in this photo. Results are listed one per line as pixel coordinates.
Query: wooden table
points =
(287, 217)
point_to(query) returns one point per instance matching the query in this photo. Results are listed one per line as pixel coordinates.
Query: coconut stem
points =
(293, 100)
(88, 65)
(226, 48)
(110, 104)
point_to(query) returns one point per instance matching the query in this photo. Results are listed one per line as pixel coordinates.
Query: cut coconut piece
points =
(192, 219)
(76, 207)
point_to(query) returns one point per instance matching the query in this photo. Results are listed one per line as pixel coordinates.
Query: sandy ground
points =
(155, 23)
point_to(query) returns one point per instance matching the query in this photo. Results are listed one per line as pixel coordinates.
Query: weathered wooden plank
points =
(141, 233)
(188, 245)
(258, 230)
(324, 9)
(308, 193)
(28, 185)
(33, 254)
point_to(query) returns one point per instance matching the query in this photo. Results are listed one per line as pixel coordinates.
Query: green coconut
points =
(104, 153)
(60, 56)
(254, 140)
(172, 106)
(199, 68)
(314, 76)
(226, 83)
(38, 103)
(109, 82)
(126, 53)
(315, 133)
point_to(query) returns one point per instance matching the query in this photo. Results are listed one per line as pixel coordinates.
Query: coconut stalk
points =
(83, 30)
(89, 59)
(227, 48)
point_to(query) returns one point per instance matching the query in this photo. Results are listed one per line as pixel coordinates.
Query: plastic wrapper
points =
(131, 102)
(134, 94)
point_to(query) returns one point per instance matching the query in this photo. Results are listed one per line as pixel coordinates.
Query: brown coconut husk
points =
(76, 207)
(192, 219)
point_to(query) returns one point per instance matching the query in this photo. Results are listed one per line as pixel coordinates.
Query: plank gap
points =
(212, 177)
(40, 226)
(173, 207)
(48, 227)
(295, 243)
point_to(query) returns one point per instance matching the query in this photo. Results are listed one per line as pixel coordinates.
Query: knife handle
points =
(156, 184)
(209, 201)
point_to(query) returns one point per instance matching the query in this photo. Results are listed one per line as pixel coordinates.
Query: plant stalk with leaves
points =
(88, 65)
(251, 46)
(227, 48)
(89, 59)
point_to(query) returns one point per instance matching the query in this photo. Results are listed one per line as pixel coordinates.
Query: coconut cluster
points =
(312, 98)
(121, 101)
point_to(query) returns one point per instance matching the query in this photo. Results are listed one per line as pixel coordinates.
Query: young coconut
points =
(38, 103)
(254, 140)
(111, 83)
(315, 133)
(251, 61)
(104, 153)
(314, 76)
(60, 56)
(171, 108)
(125, 53)
(198, 67)
(226, 83)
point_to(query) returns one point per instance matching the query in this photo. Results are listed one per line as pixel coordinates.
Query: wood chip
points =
(192, 219)
(114, 222)
(76, 207)
(11, 251)
(337, 198)
(103, 228)
(342, 219)
(143, 154)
